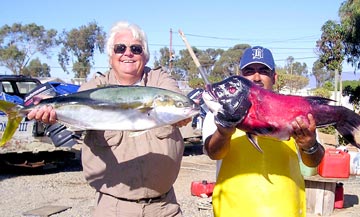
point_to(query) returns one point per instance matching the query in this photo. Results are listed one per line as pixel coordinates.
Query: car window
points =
(26, 86)
(7, 88)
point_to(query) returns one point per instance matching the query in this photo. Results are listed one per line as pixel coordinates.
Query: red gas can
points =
(202, 188)
(339, 196)
(335, 164)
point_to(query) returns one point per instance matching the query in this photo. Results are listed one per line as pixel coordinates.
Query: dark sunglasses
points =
(134, 48)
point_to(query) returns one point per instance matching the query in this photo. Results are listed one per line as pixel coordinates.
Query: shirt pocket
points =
(163, 132)
(103, 138)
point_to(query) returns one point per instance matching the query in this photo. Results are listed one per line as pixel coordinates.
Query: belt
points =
(141, 200)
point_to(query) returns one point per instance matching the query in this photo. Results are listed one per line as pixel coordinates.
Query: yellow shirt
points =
(252, 184)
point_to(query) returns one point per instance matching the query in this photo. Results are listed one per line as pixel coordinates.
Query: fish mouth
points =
(194, 109)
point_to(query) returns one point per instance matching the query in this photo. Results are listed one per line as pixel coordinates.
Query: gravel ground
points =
(24, 191)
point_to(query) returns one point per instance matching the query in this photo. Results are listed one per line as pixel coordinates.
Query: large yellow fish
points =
(132, 108)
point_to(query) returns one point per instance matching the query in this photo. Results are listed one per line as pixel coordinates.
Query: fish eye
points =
(179, 104)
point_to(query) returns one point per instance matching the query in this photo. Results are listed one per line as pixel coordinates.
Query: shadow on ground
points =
(350, 200)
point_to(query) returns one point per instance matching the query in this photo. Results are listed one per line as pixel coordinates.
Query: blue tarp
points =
(11, 98)
(64, 88)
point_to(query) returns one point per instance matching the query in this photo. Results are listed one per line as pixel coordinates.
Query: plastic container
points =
(339, 196)
(307, 171)
(202, 188)
(335, 164)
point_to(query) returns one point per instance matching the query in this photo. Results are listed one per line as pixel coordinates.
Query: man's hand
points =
(304, 132)
(45, 114)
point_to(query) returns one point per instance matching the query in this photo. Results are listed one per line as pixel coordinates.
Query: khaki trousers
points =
(108, 206)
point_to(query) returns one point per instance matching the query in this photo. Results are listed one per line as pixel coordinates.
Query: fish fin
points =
(137, 133)
(349, 126)
(12, 111)
(253, 141)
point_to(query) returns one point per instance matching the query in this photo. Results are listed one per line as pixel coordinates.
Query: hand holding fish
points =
(45, 114)
(304, 133)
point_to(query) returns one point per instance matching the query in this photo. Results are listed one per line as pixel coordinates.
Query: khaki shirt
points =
(141, 166)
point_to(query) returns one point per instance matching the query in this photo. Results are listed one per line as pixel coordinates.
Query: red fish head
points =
(229, 97)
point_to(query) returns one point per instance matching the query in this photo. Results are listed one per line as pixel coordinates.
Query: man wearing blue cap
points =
(250, 183)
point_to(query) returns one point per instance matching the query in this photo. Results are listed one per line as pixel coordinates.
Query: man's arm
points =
(311, 151)
(217, 145)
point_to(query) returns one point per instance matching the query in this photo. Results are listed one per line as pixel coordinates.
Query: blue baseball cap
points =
(257, 54)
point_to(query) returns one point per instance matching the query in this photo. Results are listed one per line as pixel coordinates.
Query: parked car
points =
(31, 146)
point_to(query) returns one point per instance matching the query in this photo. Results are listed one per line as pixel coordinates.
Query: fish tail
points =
(349, 127)
(12, 111)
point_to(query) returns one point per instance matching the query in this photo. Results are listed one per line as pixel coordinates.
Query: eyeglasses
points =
(134, 48)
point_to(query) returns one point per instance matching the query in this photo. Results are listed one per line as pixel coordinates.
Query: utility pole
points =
(336, 102)
(170, 52)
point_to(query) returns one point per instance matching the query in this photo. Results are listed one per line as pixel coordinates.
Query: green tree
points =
(295, 82)
(184, 65)
(349, 13)
(37, 69)
(164, 60)
(354, 95)
(280, 83)
(321, 74)
(81, 44)
(329, 86)
(295, 76)
(295, 68)
(322, 92)
(19, 44)
(330, 47)
(209, 57)
(228, 63)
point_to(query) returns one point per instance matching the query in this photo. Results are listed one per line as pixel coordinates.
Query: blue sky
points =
(287, 28)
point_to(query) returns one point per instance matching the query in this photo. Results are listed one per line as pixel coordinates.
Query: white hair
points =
(137, 33)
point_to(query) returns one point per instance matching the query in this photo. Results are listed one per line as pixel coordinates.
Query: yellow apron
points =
(254, 184)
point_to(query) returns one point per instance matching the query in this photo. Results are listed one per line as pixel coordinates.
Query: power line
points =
(241, 39)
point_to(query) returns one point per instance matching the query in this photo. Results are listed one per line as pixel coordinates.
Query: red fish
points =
(258, 111)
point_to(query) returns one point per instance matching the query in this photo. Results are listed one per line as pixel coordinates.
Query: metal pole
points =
(192, 54)
(170, 51)
(336, 102)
